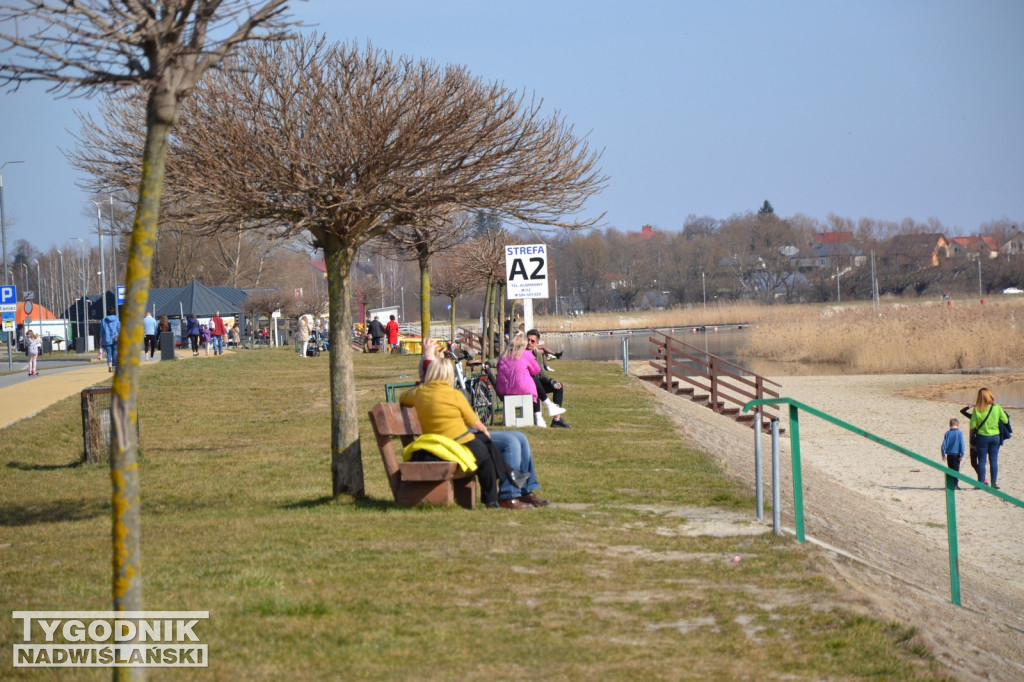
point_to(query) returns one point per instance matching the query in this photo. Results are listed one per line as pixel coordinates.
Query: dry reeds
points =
(896, 337)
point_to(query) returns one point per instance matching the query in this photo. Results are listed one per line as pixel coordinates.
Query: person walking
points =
(193, 331)
(985, 420)
(302, 336)
(391, 329)
(953, 448)
(149, 327)
(376, 333)
(217, 333)
(32, 346)
(110, 329)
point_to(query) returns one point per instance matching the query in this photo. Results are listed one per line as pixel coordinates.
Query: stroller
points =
(313, 345)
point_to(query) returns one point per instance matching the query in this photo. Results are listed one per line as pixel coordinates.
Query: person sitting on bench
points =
(547, 384)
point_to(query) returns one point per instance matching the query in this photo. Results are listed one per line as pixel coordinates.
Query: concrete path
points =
(60, 376)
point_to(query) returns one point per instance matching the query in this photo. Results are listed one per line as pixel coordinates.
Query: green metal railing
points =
(950, 475)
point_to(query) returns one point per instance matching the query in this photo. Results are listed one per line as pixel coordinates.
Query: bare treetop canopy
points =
(82, 45)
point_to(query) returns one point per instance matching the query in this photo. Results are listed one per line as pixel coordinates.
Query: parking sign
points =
(8, 294)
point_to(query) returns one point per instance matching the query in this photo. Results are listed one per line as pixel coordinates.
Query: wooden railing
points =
(726, 387)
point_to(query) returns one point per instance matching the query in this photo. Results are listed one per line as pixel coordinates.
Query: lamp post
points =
(82, 311)
(39, 297)
(3, 235)
(113, 254)
(3, 223)
(103, 269)
(64, 301)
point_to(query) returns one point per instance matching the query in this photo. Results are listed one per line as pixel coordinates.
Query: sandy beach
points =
(881, 516)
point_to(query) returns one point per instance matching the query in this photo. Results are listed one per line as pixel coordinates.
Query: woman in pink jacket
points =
(516, 372)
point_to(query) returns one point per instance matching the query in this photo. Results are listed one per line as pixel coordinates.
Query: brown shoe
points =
(514, 503)
(531, 498)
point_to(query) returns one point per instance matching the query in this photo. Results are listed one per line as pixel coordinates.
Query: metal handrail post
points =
(798, 478)
(625, 355)
(758, 483)
(954, 548)
(776, 485)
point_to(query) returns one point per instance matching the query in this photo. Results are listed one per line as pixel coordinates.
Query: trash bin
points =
(96, 424)
(80, 345)
(47, 344)
(167, 345)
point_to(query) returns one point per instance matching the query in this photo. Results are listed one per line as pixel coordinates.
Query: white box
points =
(519, 410)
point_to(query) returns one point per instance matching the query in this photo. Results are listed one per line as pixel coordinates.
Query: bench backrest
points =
(391, 420)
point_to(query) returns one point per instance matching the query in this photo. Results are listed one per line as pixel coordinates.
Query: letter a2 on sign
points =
(526, 271)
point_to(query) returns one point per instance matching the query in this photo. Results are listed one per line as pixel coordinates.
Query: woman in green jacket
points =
(985, 420)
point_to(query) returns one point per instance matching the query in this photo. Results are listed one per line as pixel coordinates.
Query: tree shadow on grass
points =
(15, 515)
(363, 503)
(23, 466)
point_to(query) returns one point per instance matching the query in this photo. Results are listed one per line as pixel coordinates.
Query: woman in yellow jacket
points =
(443, 410)
(985, 420)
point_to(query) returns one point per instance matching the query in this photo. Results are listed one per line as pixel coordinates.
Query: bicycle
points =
(477, 387)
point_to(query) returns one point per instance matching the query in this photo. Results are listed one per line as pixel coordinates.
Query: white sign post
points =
(526, 275)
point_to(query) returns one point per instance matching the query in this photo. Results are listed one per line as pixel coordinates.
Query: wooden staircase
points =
(708, 380)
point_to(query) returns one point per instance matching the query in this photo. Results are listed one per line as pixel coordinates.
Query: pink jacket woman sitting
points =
(516, 370)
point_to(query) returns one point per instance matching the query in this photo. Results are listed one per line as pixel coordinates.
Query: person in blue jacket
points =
(110, 329)
(953, 447)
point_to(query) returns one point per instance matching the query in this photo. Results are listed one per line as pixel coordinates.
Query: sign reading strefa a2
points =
(526, 270)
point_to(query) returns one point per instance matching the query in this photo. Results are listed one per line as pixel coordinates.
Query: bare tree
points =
(452, 278)
(165, 46)
(344, 145)
(421, 242)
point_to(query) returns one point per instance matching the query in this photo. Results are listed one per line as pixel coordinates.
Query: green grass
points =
(238, 520)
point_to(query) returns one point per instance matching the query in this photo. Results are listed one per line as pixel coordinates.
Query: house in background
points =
(1014, 245)
(919, 250)
(973, 247)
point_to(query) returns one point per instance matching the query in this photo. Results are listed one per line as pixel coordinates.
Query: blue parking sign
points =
(8, 294)
(120, 295)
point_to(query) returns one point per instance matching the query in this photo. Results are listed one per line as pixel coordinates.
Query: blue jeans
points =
(515, 449)
(110, 350)
(988, 448)
(218, 344)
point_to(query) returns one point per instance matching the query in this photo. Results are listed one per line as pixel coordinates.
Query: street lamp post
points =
(82, 330)
(3, 223)
(103, 269)
(39, 297)
(64, 301)
(113, 255)
(3, 235)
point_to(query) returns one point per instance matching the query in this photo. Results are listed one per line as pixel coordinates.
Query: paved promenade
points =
(60, 376)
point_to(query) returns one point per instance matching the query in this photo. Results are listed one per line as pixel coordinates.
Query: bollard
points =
(625, 355)
(776, 493)
(758, 484)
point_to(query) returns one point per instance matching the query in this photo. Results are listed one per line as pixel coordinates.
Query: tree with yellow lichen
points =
(164, 46)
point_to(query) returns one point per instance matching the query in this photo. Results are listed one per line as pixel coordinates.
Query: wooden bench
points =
(414, 483)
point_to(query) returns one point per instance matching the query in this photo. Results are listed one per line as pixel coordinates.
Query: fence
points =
(951, 478)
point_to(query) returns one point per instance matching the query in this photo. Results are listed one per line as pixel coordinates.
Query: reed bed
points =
(722, 313)
(896, 338)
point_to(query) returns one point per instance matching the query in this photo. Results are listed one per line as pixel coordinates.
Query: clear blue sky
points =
(881, 109)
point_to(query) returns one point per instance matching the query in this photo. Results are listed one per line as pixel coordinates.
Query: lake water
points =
(728, 343)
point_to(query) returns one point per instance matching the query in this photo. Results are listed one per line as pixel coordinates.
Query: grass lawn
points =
(604, 584)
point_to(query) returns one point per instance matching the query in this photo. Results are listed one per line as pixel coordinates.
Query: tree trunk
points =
(124, 417)
(346, 450)
(451, 316)
(488, 298)
(424, 261)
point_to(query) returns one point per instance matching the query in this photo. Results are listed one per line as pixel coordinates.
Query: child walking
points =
(32, 345)
(953, 448)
